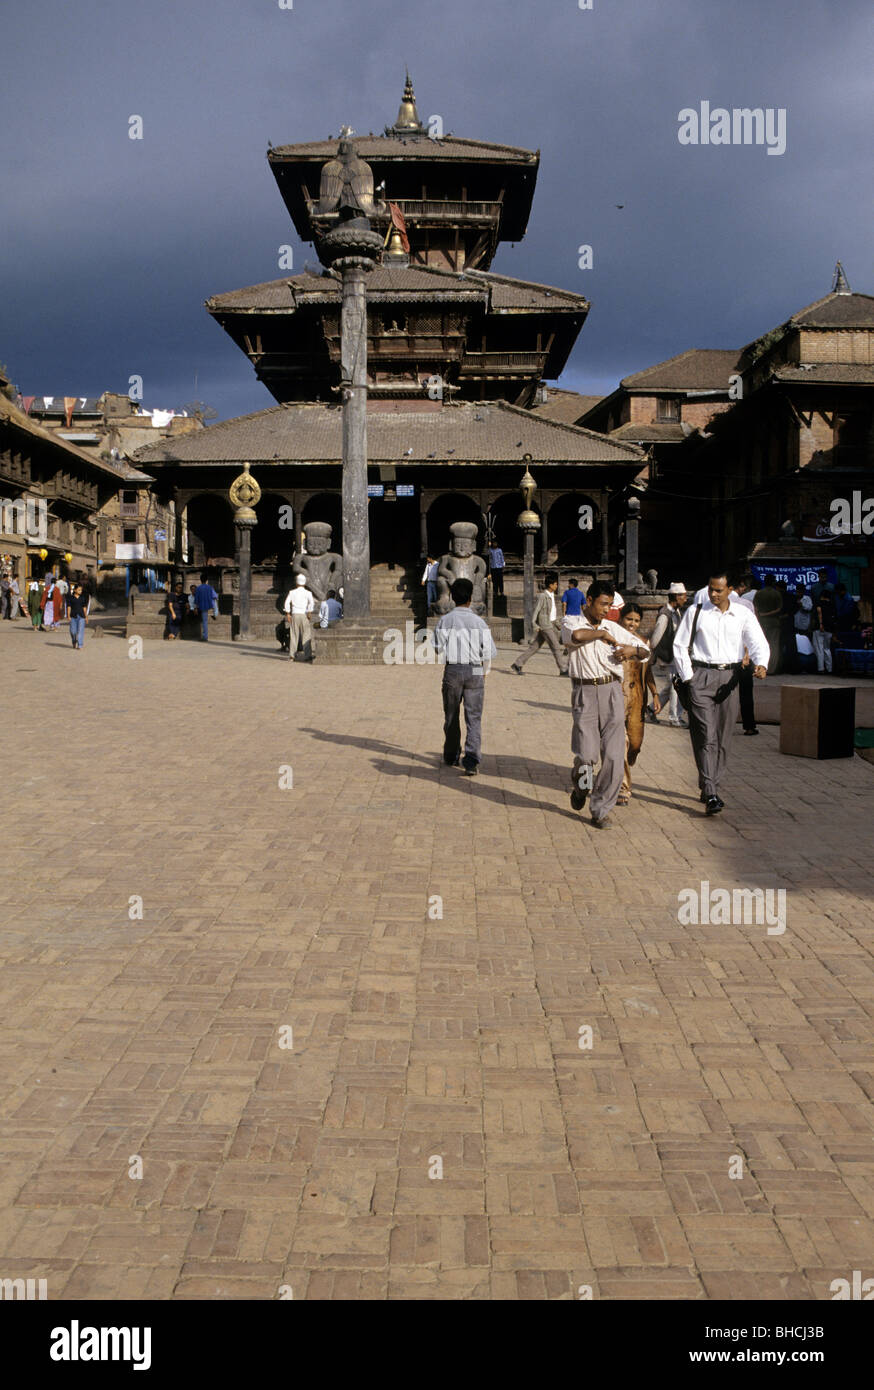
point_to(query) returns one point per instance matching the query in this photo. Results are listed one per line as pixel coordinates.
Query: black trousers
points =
(747, 701)
(497, 581)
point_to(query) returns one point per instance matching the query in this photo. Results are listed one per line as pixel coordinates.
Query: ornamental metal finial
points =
(245, 494)
(408, 122)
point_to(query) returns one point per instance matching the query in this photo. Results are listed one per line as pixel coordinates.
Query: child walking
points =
(636, 681)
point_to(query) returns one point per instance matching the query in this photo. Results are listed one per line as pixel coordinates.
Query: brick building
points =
(750, 448)
(135, 531)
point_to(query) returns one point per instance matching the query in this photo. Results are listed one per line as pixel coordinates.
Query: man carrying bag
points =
(709, 652)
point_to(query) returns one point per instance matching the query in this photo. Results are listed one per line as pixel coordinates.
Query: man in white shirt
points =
(597, 647)
(545, 614)
(298, 605)
(429, 582)
(719, 632)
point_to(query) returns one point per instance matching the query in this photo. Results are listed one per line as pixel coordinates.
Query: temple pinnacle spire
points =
(840, 283)
(408, 122)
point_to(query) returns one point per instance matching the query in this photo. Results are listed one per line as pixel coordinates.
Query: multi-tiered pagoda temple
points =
(456, 357)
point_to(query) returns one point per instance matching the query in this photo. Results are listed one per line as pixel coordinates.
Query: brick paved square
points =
(286, 1041)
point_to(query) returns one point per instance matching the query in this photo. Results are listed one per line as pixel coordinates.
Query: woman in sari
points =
(46, 603)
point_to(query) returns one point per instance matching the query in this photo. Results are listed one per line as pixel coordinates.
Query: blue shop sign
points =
(375, 490)
(794, 574)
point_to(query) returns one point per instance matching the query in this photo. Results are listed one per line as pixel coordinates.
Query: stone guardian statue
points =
(321, 566)
(461, 563)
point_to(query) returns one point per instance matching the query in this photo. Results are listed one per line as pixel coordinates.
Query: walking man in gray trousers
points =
(545, 630)
(465, 643)
(709, 653)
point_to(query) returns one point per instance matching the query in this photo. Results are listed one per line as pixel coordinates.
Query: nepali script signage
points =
(794, 574)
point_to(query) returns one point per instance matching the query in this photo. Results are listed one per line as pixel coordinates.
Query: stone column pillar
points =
(423, 523)
(544, 536)
(353, 351)
(632, 523)
(528, 584)
(605, 532)
(243, 527)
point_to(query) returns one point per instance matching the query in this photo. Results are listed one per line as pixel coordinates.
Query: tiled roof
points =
(658, 432)
(499, 291)
(376, 147)
(492, 432)
(834, 373)
(11, 415)
(565, 406)
(697, 369)
(837, 311)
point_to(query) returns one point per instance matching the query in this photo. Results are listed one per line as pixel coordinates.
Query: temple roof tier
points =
(464, 434)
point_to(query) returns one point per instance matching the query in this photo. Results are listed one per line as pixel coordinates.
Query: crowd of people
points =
(47, 604)
(805, 625)
(703, 655)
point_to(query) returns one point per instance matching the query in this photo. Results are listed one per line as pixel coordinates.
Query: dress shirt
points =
(594, 660)
(430, 572)
(463, 638)
(551, 597)
(299, 600)
(719, 637)
(496, 557)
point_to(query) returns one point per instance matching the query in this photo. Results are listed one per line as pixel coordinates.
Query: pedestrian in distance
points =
(177, 605)
(744, 592)
(497, 565)
(429, 582)
(637, 680)
(466, 648)
(205, 600)
(709, 651)
(299, 603)
(18, 609)
(78, 608)
(572, 600)
(598, 647)
(330, 609)
(824, 628)
(662, 666)
(33, 608)
(545, 628)
(768, 604)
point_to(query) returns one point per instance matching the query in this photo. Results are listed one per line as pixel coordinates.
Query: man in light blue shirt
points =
(464, 642)
(330, 609)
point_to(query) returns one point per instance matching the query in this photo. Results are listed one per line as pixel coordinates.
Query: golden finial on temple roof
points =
(408, 117)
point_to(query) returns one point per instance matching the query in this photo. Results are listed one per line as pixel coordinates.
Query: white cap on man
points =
(676, 588)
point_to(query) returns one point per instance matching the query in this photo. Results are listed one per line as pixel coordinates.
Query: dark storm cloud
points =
(111, 245)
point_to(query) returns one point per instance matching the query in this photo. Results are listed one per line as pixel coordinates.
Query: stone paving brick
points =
(416, 1036)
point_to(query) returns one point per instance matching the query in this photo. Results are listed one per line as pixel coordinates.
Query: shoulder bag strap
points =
(694, 629)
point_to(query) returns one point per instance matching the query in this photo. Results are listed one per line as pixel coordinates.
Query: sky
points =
(111, 245)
